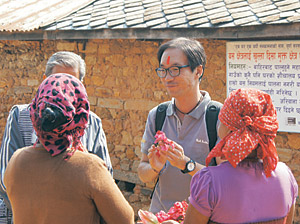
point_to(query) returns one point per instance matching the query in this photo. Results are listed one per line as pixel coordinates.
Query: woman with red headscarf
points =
(57, 180)
(251, 186)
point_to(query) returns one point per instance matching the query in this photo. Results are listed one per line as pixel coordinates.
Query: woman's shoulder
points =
(221, 169)
(87, 156)
(88, 160)
(282, 165)
(216, 175)
(24, 150)
(202, 179)
(206, 175)
(283, 170)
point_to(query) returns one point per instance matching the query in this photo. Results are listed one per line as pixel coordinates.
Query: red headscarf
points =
(68, 94)
(252, 118)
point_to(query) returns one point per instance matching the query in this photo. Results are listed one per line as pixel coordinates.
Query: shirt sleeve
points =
(202, 195)
(95, 140)
(294, 185)
(11, 141)
(106, 195)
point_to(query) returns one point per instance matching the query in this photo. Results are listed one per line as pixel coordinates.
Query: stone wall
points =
(122, 88)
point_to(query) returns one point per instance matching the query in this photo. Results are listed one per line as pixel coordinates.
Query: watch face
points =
(190, 166)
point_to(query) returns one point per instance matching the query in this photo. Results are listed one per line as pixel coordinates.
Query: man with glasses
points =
(181, 66)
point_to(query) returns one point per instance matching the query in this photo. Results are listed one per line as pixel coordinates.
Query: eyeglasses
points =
(173, 71)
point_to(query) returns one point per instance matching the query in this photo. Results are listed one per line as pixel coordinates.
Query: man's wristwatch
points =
(189, 166)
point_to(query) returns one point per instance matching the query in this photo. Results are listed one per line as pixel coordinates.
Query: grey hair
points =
(66, 59)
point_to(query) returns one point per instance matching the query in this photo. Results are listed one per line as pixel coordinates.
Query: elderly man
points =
(20, 133)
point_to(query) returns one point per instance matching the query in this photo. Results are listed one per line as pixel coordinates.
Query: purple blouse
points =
(243, 194)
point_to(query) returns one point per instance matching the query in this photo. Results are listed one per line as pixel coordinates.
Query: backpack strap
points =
(211, 118)
(160, 116)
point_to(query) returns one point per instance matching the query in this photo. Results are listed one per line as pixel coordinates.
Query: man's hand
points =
(157, 158)
(176, 156)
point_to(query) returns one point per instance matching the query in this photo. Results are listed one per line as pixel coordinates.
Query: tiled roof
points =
(179, 14)
(26, 15)
(70, 15)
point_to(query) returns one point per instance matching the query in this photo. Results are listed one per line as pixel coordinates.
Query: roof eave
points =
(268, 31)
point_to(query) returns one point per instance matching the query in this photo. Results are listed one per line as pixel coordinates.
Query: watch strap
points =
(186, 170)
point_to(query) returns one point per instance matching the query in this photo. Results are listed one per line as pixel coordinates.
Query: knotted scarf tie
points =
(252, 119)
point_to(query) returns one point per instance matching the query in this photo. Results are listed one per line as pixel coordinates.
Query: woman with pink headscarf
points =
(57, 180)
(251, 186)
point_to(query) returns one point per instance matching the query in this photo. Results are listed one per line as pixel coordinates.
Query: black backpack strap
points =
(211, 118)
(160, 116)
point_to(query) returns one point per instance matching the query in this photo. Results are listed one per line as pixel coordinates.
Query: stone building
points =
(118, 40)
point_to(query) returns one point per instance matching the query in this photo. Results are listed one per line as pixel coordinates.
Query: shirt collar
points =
(198, 112)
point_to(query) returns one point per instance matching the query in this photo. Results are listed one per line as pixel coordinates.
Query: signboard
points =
(273, 67)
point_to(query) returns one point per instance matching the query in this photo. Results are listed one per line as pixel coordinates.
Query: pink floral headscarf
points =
(67, 93)
(252, 118)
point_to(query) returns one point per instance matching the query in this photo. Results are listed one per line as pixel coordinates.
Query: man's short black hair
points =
(193, 50)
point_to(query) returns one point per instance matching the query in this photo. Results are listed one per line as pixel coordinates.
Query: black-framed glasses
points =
(173, 71)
